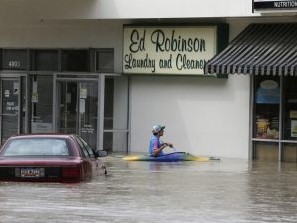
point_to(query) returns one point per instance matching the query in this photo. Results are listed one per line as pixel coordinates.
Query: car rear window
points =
(36, 147)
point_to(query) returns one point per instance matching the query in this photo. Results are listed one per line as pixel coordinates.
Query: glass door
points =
(67, 105)
(77, 107)
(11, 115)
(41, 103)
(88, 108)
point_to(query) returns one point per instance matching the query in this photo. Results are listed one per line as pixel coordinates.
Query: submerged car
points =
(49, 158)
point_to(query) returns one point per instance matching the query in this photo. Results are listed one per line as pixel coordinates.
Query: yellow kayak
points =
(170, 157)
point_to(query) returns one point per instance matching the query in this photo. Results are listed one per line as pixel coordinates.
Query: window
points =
(116, 115)
(36, 147)
(105, 61)
(86, 146)
(275, 118)
(290, 108)
(267, 101)
(82, 147)
(75, 60)
(45, 60)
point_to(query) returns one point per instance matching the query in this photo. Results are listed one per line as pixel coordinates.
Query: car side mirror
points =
(101, 153)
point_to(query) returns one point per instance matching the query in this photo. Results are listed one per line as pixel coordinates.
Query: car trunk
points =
(54, 169)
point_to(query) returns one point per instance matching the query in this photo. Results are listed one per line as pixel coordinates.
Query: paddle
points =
(169, 146)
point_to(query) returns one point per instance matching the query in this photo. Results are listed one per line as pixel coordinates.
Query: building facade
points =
(65, 68)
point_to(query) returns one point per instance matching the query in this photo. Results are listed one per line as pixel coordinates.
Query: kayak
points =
(170, 157)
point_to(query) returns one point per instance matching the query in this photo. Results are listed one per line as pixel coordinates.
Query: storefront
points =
(266, 52)
(70, 69)
(65, 91)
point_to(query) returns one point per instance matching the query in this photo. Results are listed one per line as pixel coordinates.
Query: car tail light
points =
(73, 172)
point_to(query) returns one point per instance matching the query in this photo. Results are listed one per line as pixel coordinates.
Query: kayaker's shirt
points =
(155, 143)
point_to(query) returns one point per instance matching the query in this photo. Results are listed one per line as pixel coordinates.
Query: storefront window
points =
(267, 102)
(290, 108)
(289, 152)
(266, 151)
(75, 60)
(275, 118)
(105, 60)
(115, 138)
(63, 95)
(45, 60)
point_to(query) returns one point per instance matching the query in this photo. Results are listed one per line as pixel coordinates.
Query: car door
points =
(93, 162)
(87, 161)
(97, 163)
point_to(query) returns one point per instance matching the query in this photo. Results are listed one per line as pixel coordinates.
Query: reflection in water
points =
(219, 191)
(273, 191)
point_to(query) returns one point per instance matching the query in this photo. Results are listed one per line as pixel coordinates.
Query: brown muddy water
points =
(228, 191)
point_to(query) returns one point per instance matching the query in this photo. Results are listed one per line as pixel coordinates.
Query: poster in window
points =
(268, 92)
(293, 128)
(41, 127)
(83, 93)
(34, 98)
(15, 88)
(293, 114)
(82, 106)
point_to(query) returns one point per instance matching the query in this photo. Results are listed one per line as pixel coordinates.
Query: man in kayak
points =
(156, 145)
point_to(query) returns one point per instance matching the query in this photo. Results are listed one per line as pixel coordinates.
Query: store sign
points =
(275, 5)
(168, 50)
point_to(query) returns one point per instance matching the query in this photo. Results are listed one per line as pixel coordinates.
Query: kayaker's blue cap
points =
(158, 128)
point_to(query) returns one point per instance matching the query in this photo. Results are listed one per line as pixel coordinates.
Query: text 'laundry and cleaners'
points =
(152, 52)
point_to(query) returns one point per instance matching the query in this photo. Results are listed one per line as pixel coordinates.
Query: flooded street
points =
(218, 191)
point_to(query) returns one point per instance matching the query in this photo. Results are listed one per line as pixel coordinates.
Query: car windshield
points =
(37, 147)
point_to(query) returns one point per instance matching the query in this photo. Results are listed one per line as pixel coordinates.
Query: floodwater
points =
(217, 191)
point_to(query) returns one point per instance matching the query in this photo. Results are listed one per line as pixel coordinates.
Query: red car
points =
(49, 158)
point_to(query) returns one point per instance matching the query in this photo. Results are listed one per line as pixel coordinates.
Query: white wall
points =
(66, 34)
(62, 34)
(204, 116)
(173, 8)
(35, 10)
(120, 114)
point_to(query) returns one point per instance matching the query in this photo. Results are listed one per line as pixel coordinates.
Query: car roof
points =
(43, 135)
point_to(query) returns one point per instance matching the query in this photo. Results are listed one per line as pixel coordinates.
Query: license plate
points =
(31, 172)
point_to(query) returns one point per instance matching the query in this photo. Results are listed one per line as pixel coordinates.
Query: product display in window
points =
(267, 127)
(267, 104)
